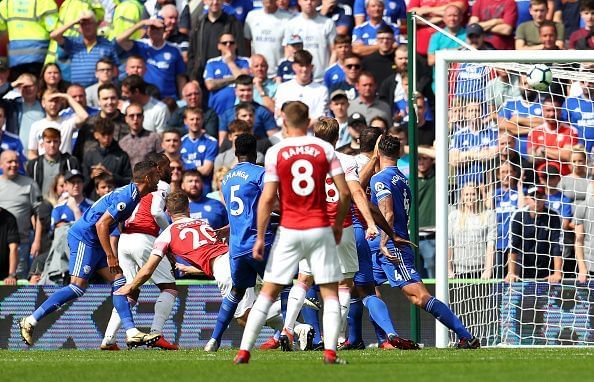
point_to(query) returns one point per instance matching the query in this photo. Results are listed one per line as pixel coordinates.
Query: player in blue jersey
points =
(241, 188)
(91, 252)
(198, 149)
(391, 193)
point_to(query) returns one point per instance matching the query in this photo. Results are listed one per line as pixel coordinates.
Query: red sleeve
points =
(510, 16)
(465, 2)
(531, 140)
(414, 4)
(476, 9)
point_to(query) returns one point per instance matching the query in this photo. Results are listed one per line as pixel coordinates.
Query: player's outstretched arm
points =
(103, 231)
(265, 206)
(343, 207)
(362, 204)
(142, 276)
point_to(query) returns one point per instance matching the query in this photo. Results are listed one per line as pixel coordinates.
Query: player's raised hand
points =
(258, 250)
(371, 232)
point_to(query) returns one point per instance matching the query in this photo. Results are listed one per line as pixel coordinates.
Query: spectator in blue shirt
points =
(71, 209)
(165, 65)
(284, 71)
(220, 74)
(335, 73)
(264, 123)
(86, 49)
(340, 13)
(394, 11)
(364, 35)
(10, 141)
(198, 150)
(211, 211)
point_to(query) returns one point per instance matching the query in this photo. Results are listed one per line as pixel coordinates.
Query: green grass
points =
(523, 365)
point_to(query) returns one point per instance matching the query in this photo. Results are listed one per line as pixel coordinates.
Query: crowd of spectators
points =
(89, 87)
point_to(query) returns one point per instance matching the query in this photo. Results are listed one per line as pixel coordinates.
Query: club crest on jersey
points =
(379, 186)
(121, 206)
(86, 269)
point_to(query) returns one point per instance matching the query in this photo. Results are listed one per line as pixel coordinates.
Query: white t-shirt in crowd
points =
(314, 95)
(266, 32)
(66, 126)
(318, 36)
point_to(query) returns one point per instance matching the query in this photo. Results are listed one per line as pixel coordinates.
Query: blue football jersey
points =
(391, 182)
(63, 213)
(195, 152)
(334, 75)
(163, 65)
(506, 203)
(241, 188)
(367, 33)
(223, 98)
(209, 210)
(579, 111)
(120, 203)
(522, 109)
(394, 10)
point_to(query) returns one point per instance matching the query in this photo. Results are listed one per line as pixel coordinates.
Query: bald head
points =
(192, 94)
(9, 161)
(169, 14)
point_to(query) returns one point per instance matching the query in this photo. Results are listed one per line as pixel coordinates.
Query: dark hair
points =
(142, 169)
(389, 146)
(42, 86)
(548, 23)
(158, 158)
(177, 202)
(367, 138)
(326, 129)
(104, 60)
(343, 39)
(135, 82)
(381, 119)
(586, 5)
(192, 172)
(245, 146)
(108, 86)
(104, 177)
(303, 58)
(104, 126)
(368, 74)
(244, 79)
(384, 29)
(171, 131)
(239, 126)
(244, 106)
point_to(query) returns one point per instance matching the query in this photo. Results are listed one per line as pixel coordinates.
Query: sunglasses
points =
(353, 66)
(227, 43)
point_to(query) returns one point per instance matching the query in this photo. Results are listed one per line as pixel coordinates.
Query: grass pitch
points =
(433, 365)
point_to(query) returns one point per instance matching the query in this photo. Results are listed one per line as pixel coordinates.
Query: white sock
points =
(294, 304)
(163, 308)
(331, 322)
(275, 317)
(132, 332)
(255, 321)
(31, 320)
(112, 328)
(344, 298)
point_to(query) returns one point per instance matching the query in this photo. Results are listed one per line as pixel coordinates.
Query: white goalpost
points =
(491, 173)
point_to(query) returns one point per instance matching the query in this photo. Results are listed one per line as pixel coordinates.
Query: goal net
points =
(515, 203)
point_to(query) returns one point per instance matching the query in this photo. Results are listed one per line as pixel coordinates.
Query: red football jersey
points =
(193, 240)
(351, 173)
(149, 216)
(300, 166)
(542, 135)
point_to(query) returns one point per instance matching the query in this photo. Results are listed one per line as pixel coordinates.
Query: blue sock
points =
(378, 311)
(310, 316)
(443, 314)
(122, 305)
(226, 312)
(59, 298)
(284, 297)
(379, 332)
(355, 320)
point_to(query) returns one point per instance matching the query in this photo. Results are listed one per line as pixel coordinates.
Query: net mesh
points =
(521, 203)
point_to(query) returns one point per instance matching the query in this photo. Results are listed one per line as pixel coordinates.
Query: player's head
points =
(296, 115)
(104, 184)
(192, 184)
(146, 176)
(326, 129)
(162, 164)
(389, 147)
(368, 138)
(177, 203)
(245, 148)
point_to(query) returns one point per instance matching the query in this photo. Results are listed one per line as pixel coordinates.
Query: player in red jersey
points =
(134, 248)
(296, 170)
